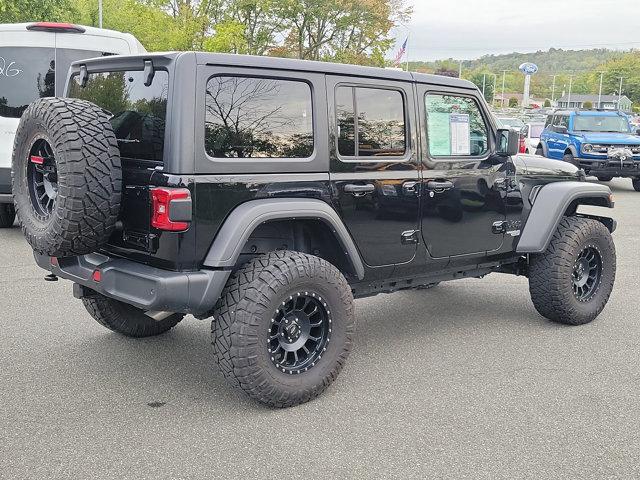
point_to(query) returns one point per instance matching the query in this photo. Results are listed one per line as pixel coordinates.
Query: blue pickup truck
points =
(602, 143)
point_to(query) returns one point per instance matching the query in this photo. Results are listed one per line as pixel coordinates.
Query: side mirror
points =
(560, 129)
(507, 142)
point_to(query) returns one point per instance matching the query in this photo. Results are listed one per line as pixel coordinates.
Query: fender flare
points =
(245, 218)
(573, 150)
(550, 205)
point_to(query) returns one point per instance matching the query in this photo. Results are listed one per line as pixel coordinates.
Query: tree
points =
(547, 103)
(478, 78)
(587, 105)
(513, 102)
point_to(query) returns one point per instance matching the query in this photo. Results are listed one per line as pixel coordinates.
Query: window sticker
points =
(460, 134)
(439, 134)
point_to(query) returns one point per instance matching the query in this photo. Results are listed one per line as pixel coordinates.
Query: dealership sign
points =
(528, 68)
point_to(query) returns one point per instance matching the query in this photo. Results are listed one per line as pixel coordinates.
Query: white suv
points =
(34, 60)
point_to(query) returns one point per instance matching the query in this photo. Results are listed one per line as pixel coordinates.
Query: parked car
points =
(510, 122)
(272, 223)
(530, 137)
(603, 143)
(34, 61)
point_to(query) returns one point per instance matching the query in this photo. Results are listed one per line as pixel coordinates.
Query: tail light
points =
(55, 27)
(522, 147)
(170, 209)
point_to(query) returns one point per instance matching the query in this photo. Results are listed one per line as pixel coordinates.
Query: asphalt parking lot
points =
(462, 381)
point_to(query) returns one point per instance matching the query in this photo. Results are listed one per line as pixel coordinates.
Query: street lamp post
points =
(100, 13)
(600, 91)
(569, 97)
(502, 100)
(620, 92)
(553, 90)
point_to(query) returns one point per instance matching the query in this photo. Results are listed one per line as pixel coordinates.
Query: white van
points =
(34, 60)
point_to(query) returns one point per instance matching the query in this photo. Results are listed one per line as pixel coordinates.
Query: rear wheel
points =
(540, 151)
(283, 327)
(605, 178)
(126, 319)
(7, 215)
(571, 281)
(636, 184)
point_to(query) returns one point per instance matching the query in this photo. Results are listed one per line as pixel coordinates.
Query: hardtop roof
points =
(252, 61)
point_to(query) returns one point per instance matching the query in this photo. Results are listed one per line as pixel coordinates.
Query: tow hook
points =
(51, 278)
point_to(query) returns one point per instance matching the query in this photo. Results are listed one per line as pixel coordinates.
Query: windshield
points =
(139, 111)
(536, 130)
(617, 124)
(26, 74)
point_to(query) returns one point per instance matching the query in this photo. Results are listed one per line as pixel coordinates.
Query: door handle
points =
(439, 186)
(410, 187)
(358, 190)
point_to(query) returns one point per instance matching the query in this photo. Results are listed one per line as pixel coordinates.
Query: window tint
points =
(549, 121)
(455, 126)
(249, 117)
(139, 111)
(66, 56)
(26, 73)
(378, 129)
(561, 121)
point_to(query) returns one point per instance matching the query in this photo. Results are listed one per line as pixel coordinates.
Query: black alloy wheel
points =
(587, 271)
(42, 175)
(299, 332)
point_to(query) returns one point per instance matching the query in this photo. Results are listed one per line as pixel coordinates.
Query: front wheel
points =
(604, 178)
(283, 327)
(569, 158)
(540, 151)
(571, 281)
(636, 184)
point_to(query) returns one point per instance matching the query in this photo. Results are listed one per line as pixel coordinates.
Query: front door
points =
(374, 174)
(463, 185)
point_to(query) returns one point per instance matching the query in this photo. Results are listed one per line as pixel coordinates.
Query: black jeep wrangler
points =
(269, 193)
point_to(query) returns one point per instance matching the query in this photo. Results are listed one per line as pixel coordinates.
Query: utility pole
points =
(553, 90)
(600, 92)
(100, 13)
(484, 79)
(502, 102)
(569, 97)
(620, 92)
(460, 69)
(495, 84)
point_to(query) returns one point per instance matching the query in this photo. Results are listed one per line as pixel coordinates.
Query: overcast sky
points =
(468, 29)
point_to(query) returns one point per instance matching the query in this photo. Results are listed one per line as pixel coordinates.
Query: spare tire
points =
(67, 176)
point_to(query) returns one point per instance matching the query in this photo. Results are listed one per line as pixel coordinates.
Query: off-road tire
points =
(605, 178)
(569, 158)
(89, 176)
(636, 184)
(540, 151)
(550, 273)
(7, 215)
(243, 313)
(126, 319)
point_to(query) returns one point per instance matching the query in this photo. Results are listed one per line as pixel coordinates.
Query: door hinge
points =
(409, 237)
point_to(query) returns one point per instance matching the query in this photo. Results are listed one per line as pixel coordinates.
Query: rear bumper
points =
(145, 287)
(611, 167)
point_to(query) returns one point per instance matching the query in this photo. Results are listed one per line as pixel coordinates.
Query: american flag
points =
(401, 52)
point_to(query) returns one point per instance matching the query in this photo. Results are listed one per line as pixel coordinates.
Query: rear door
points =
(374, 173)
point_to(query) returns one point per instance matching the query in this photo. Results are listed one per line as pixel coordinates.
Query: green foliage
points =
(13, 11)
(587, 105)
(547, 103)
(513, 102)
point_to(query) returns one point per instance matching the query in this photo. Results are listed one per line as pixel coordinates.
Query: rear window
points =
(139, 111)
(26, 74)
(254, 117)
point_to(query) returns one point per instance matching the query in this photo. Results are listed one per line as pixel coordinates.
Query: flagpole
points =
(407, 52)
